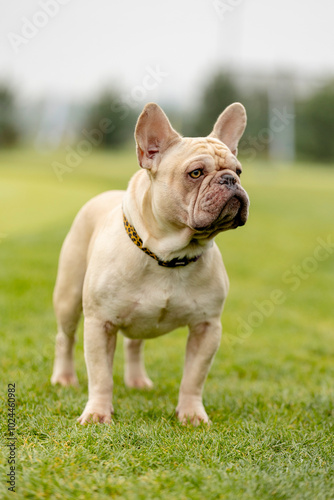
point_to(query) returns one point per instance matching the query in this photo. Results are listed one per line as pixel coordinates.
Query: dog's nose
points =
(227, 179)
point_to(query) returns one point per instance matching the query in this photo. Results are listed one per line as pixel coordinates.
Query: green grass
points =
(270, 390)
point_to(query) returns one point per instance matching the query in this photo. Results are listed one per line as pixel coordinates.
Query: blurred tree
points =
(315, 125)
(219, 92)
(114, 118)
(9, 134)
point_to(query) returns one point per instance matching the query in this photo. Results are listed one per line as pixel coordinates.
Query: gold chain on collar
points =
(133, 235)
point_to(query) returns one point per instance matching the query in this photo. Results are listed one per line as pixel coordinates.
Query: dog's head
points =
(195, 181)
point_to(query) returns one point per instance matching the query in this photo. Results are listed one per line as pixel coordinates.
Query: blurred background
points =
(76, 74)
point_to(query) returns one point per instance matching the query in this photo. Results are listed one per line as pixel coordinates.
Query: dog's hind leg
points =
(134, 370)
(67, 299)
(63, 368)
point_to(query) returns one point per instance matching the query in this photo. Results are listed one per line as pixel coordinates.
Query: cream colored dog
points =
(144, 262)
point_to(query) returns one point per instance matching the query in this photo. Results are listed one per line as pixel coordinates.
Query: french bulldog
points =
(143, 261)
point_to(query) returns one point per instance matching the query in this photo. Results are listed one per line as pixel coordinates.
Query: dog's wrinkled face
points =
(205, 186)
(196, 180)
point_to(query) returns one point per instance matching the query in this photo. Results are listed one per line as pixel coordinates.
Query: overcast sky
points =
(73, 48)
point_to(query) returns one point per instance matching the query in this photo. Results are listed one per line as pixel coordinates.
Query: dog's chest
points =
(153, 309)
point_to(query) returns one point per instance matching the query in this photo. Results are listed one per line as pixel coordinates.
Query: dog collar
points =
(133, 235)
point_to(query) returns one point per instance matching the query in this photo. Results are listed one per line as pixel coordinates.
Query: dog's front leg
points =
(99, 344)
(203, 342)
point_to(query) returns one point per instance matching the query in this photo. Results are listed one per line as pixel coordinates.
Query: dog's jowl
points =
(143, 261)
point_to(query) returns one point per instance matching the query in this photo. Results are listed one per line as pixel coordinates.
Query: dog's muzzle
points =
(224, 206)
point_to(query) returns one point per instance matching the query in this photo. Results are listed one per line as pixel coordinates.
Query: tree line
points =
(312, 117)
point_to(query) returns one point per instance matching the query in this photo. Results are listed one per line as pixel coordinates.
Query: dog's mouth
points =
(221, 210)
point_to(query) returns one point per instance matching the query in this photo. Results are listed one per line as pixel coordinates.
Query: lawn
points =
(270, 390)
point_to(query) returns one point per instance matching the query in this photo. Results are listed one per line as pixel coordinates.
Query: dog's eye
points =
(195, 174)
(238, 172)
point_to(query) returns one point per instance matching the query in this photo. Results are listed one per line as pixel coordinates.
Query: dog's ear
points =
(230, 126)
(154, 135)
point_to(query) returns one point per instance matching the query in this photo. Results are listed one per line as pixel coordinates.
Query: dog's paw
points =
(140, 382)
(96, 414)
(194, 415)
(65, 379)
